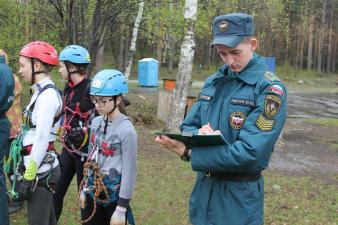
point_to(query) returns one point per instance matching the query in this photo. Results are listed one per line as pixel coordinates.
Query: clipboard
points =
(191, 140)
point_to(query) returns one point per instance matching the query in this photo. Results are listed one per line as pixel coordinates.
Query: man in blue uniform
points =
(246, 103)
(6, 100)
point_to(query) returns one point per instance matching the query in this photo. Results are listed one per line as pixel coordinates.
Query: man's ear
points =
(72, 67)
(37, 65)
(254, 43)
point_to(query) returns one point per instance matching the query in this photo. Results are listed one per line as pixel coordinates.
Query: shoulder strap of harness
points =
(31, 107)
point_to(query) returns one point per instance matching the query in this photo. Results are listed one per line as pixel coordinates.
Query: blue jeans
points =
(4, 138)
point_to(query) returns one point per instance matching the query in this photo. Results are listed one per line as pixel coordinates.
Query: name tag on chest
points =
(243, 101)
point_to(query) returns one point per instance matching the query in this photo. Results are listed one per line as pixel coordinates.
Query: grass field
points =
(164, 183)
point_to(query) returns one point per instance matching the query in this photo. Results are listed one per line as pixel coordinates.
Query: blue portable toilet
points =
(147, 72)
(271, 63)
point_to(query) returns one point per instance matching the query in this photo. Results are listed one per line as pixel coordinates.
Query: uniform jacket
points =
(249, 108)
(6, 87)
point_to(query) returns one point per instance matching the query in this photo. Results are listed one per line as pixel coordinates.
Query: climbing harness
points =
(78, 132)
(74, 135)
(14, 160)
(97, 187)
(17, 151)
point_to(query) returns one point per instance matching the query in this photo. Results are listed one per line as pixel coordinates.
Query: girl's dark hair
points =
(82, 68)
(121, 106)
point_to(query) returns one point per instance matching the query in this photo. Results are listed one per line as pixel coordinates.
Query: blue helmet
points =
(75, 54)
(108, 82)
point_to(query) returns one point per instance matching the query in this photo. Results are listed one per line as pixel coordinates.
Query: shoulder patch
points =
(204, 97)
(272, 105)
(276, 89)
(271, 76)
(264, 124)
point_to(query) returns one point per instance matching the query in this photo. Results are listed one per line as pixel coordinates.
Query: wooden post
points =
(164, 101)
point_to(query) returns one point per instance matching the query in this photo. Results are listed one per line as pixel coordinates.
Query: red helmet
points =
(42, 51)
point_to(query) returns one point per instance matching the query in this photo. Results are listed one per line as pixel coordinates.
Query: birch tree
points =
(132, 49)
(185, 65)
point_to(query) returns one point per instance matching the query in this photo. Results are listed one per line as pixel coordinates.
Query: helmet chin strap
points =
(106, 122)
(33, 74)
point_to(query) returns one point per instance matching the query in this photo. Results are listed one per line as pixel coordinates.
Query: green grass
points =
(323, 121)
(300, 200)
(164, 184)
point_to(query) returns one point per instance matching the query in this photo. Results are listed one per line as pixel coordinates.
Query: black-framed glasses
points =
(100, 102)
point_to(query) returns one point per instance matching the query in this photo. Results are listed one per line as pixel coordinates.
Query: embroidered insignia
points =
(223, 26)
(276, 89)
(272, 105)
(205, 97)
(242, 101)
(270, 76)
(264, 124)
(237, 120)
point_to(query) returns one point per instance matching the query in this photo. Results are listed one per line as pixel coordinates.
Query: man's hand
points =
(207, 130)
(119, 216)
(171, 144)
(26, 189)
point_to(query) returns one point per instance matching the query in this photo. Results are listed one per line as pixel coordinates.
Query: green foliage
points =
(12, 28)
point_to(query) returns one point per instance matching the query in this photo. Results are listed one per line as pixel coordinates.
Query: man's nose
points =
(229, 59)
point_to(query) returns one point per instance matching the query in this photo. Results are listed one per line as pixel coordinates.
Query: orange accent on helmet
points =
(42, 51)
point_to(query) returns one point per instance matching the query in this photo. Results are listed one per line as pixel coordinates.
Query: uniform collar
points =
(38, 86)
(2, 59)
(252, 72)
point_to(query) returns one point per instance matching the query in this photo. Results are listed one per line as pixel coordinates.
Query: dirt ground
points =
(306, 149)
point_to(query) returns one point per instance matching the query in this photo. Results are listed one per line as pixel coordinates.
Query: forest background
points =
(301, 34)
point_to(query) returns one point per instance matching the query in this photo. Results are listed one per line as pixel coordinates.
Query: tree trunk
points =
(171, 42)
(121, 48)
(329, 46)
(159, 51)
(334, 47)
(27, 32)
(180, 93)
(95, 34)
(286, 57)
(321, 37)
(310, 43)
(132, 49)
(99, 57)
(301, 63)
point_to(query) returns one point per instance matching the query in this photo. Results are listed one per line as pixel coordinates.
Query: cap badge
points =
(223, 26)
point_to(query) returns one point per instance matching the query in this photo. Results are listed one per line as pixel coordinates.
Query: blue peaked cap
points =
(230, 29)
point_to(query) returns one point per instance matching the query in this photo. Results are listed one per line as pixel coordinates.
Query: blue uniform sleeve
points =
(254, 146)
(6, 88)
(192, 122)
